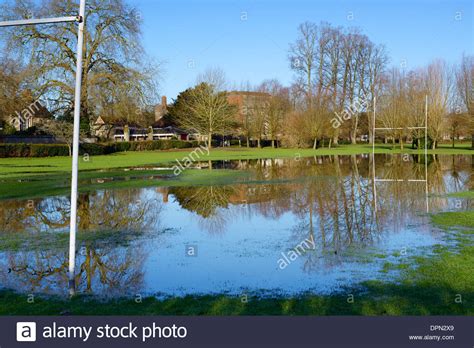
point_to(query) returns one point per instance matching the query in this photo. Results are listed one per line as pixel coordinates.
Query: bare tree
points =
(207, 111)
(214, 77)
(258, 120)
(61, 130)
(113, 57)
(14, 92)
(457, 124)
(276, 108)
(315, 124)
(465, 88)
(393, 107)
(377, 62)
(302, 58)
(439, 86)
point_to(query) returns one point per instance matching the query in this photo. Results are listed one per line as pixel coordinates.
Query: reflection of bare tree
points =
(107, 270)
(332, 196)
(399, 197)
(114, 269)
(102, 210)
(339, 203)
(205, 201)
(104, 265)
(445, 174)
(336, 205)
(116, 210)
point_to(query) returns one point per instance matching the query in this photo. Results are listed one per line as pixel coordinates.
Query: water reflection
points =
(239, 229)
(106, 270)
(105, 264)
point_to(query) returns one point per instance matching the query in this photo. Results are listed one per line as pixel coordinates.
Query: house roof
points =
(117, 122)
(248, 93)
(169, 130)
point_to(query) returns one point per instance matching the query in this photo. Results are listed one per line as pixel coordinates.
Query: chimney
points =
(160, 110)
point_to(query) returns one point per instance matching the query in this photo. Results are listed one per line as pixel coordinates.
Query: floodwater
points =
(289, 226)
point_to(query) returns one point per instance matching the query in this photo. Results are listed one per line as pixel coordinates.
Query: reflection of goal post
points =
(376, 180)
(77, 113)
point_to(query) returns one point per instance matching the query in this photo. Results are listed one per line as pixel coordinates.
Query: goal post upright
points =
(373, 154)
(426, 154)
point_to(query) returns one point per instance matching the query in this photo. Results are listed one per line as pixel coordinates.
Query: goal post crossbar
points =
(38, 21)
(400, 128)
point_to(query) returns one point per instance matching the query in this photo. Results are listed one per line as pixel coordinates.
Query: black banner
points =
(333, 332)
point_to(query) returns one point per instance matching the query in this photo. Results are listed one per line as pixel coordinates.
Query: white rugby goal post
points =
(80, 19)
(376, 180)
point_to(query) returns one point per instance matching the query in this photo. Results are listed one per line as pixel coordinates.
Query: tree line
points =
(38, 62)
(340, 77)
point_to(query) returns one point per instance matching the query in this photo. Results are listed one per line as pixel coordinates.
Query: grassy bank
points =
(16, 167)
(442, 284)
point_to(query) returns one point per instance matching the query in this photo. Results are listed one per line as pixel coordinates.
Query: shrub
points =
(92, 149)
(49, 150)
(33, 150)
(118, 147)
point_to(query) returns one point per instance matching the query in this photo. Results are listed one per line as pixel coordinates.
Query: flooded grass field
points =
(266, 228)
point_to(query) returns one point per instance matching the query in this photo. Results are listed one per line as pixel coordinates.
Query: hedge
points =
(50, 150)
(33, 150)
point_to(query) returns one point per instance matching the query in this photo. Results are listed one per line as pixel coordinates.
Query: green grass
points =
(441, 284)
(59, 184)
(59, 241)
(390, 301)
(465, 194)
(454, 219)
(15, 167)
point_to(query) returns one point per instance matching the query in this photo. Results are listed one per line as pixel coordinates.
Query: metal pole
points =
(373, 127)
(426, 155)
(33, 21)
(75, 150)
(373, 159)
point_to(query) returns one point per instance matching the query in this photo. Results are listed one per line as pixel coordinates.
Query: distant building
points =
(248, 101)
(31, 116)
(151, 133)
(124, 130)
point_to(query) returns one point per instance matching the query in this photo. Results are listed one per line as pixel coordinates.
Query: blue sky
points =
(188, 36)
